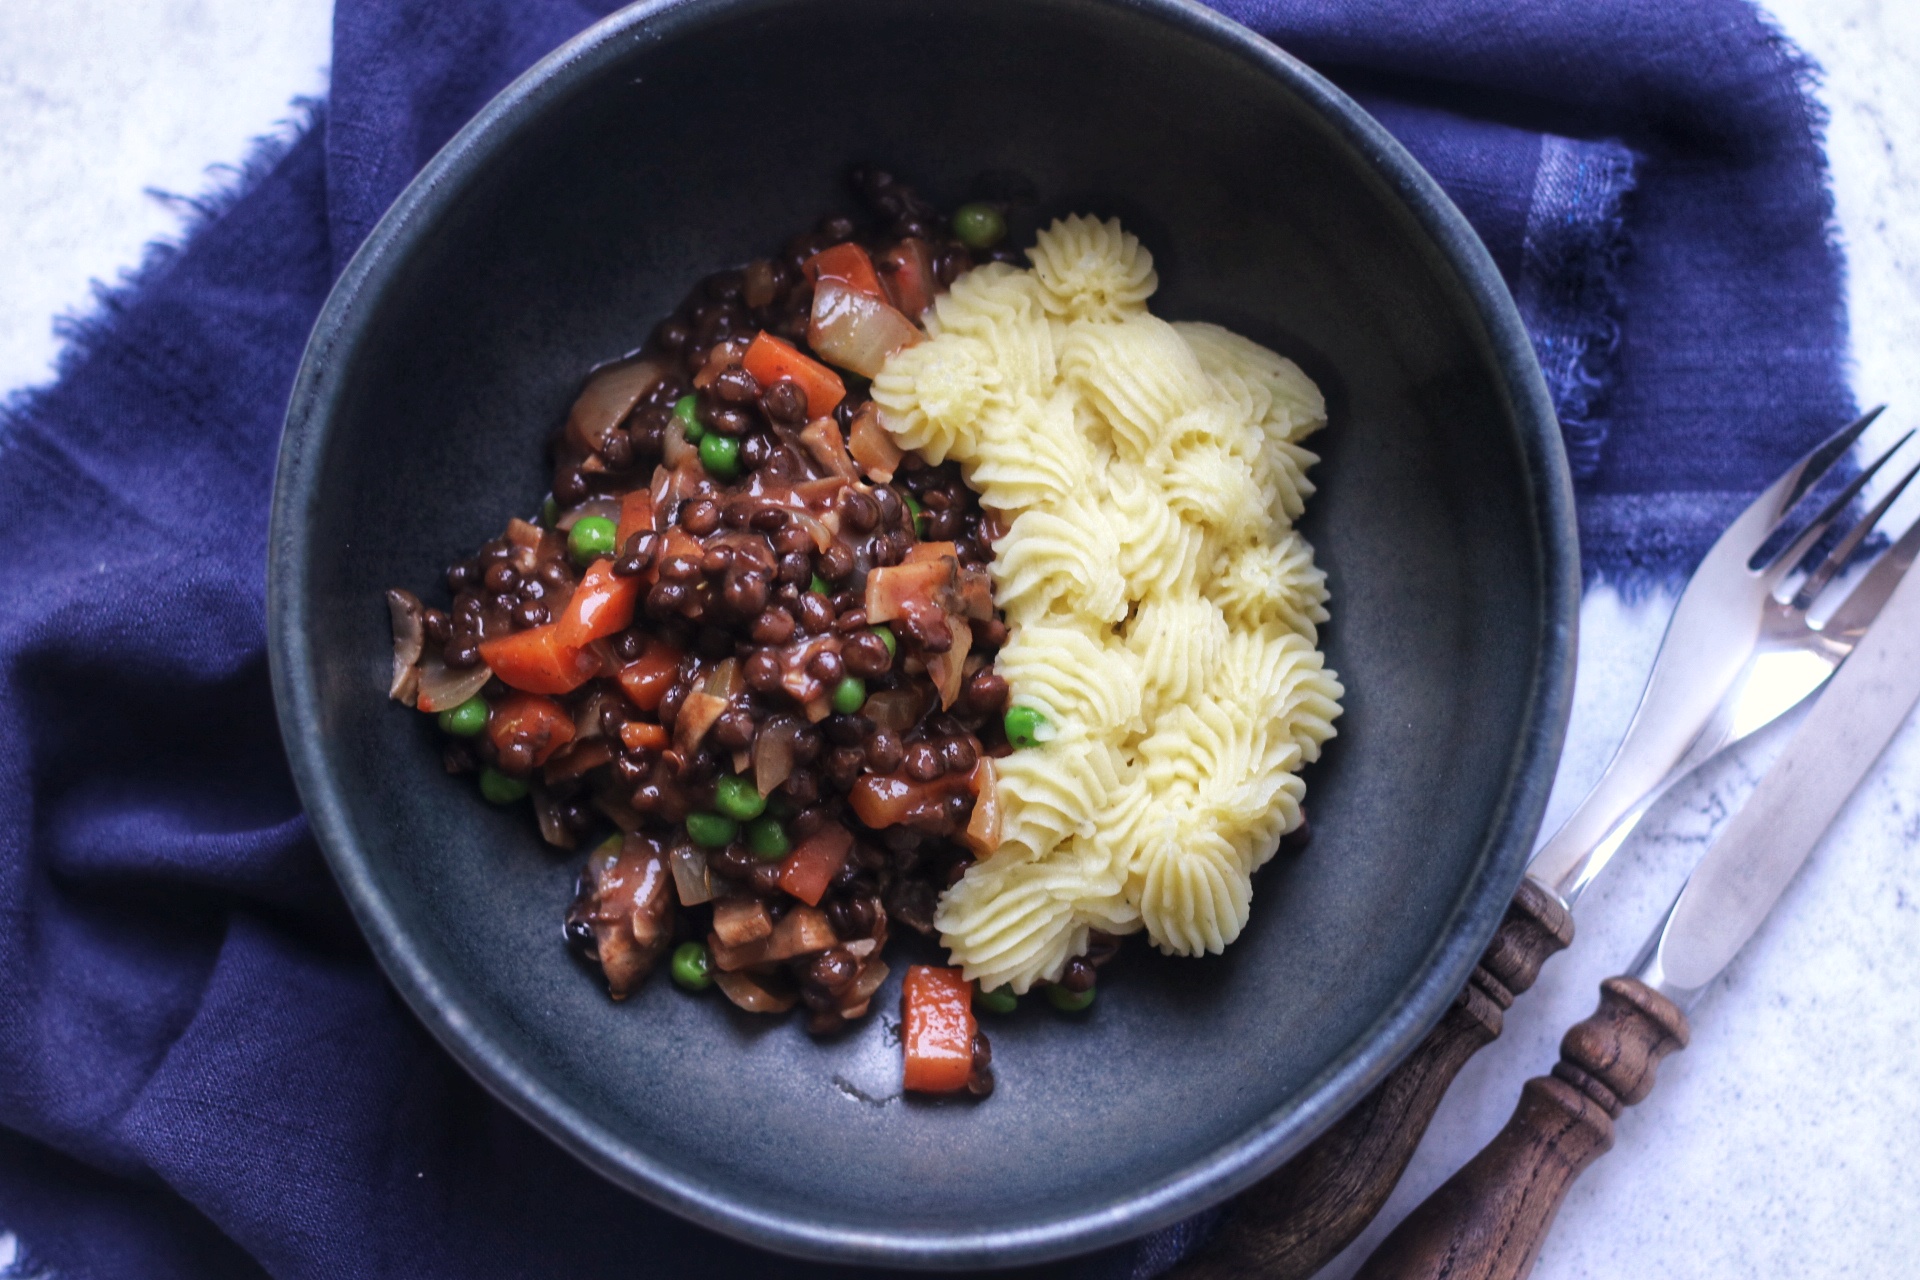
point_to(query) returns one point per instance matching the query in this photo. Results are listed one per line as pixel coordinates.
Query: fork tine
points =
(1856, 613)
(1837, 558)
(1820, 459)
(1816, 529)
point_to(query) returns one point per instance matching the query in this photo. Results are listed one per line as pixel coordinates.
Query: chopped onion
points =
(442, 687)
(861, 948)
(738, 921)
(828, 448)
(871, 446)
(697, 715)
(674, 446)
(409, 641)
(690, 875)
(724, 356)
(856, 330)
(524, 538)
(801, 932)
(983, 828)
(552, 829)
(871, 975)
(756, 993)
(892, 589)
(577, 758)
(948, 670)
(816, 528)
(609, 396)
(773, 753)
(725, 681)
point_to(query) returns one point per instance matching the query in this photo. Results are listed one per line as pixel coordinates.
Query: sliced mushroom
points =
(625, 899)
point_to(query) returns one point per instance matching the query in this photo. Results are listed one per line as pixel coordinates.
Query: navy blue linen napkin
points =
(202, 1073)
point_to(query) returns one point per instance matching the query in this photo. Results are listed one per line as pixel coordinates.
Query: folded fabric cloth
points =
(202, 1073)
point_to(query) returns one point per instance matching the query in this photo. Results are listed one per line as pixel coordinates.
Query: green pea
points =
(819, 584)
(1069, 1001)
(465, 720)
(549, 512)
(692, 966)
(739, 799)
(711, 831)
(591, 538)
(690, 424)
(887, 638)
(849, 695)
(979, 226)
(767, 840)
(720, 455)
(998, 1000)
(498, 788)
(1025, 726)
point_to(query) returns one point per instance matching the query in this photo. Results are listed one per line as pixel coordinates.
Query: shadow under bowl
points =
(674, 139)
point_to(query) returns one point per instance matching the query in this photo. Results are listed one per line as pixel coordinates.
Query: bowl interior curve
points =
(555, 233)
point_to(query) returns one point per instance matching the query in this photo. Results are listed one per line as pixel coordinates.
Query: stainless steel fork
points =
(1736, 656)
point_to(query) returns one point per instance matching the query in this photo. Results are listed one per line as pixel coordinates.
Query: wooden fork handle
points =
(1293, 1223)
(1488, 1221)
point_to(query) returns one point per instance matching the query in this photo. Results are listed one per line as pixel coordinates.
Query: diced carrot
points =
(636, 516)
(848, 265)
(540, 721)
(936, 1006)
(769, 359)
(537, 660)
(602, 605)
(907, 271)
(647, 678)
(813, 864)
(642, 735)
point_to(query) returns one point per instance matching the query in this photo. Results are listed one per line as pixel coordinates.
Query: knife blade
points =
(1736, 884)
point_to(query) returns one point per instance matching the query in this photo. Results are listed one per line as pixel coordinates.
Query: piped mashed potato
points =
(1162, 608)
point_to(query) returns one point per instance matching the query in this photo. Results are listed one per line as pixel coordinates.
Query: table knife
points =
(1489, 1220)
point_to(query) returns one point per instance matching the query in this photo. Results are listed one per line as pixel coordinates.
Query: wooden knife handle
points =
(1293, 1223)
(1488, 1221)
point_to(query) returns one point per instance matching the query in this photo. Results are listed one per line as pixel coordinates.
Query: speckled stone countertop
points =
(1784, 1142)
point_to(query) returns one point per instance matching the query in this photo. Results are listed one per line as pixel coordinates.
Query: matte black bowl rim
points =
(1205, 1182)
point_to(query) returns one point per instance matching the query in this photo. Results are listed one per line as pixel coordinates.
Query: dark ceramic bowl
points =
(673, 139)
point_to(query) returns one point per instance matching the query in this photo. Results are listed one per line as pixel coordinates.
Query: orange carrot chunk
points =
(813, 864)
(647, 678)
(937, 1032)
(636, 516)
(845, 264)
(769, 359)
(601, 605)
(537, 660)
(640, 735)
(540, 721)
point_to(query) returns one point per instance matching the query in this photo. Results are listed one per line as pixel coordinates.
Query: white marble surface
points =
(1784, 1142)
